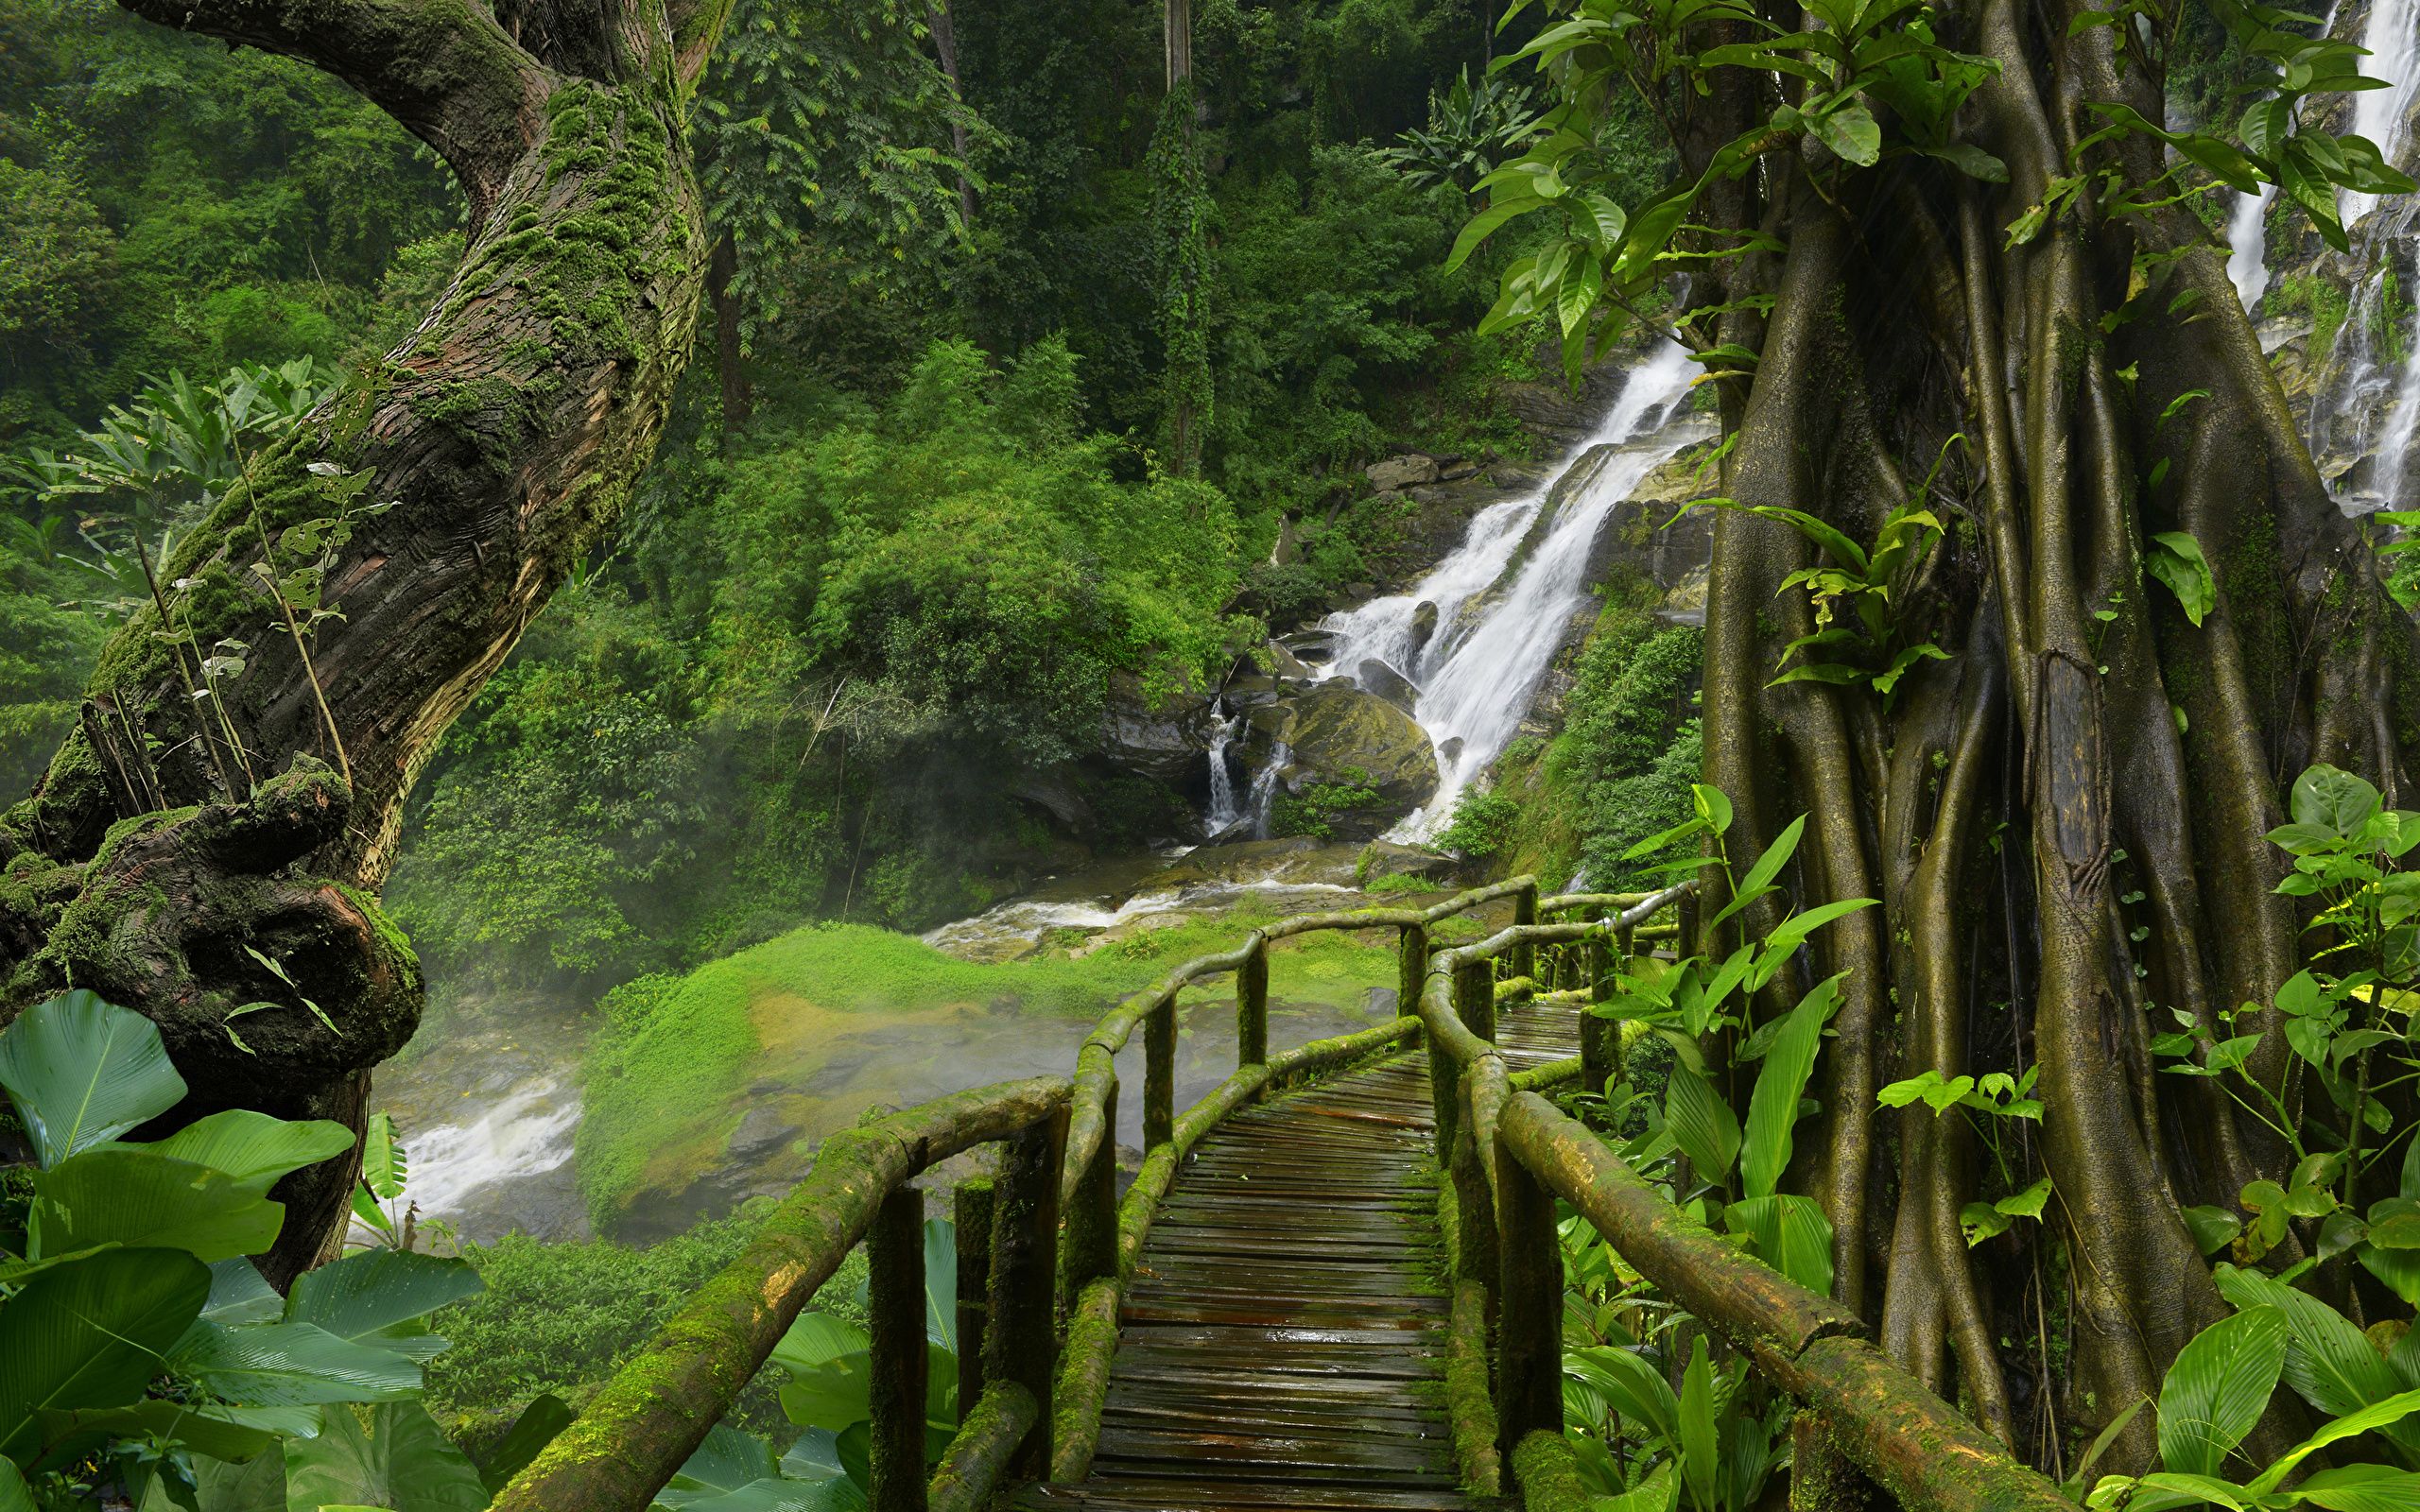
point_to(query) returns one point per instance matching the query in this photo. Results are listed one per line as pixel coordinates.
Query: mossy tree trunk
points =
(508, 431)
(2064, 820)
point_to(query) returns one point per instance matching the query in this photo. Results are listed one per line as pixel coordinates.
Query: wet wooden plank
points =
(1281, 1341)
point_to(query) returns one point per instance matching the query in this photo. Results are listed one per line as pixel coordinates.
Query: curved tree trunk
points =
(2065, 820)
(166, 845)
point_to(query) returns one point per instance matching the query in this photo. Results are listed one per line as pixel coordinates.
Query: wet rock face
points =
(1402, 472)
(1386, 683)
(1165, 742)
(1341, 733)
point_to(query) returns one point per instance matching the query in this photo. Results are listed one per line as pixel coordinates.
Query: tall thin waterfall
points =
(1477, 672)
(1223, 811)
(2248, 244)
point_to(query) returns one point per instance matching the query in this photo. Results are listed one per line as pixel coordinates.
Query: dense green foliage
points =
(561, 1317)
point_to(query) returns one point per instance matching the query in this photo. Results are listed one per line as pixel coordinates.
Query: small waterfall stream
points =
(1476, 673)
(1223, 811)
(2248, 244)
(2371, 408)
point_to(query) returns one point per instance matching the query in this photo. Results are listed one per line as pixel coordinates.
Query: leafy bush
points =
(562, 1317)
(1315, 810)
(1483, 824)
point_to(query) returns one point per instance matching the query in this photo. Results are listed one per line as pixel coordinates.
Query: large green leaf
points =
(1636, 1388)
(1790, 1234)
(229, 1434)
(91, 1333)
(81, 1071)
(1772, 1108)
(817, 1339)
(391, 1455)
(940, 1283)
(2329, 1363)
(2362, 1489)
(378, 1296)
(253, 1148)
(2216, 1389)
(289, 1364)
(1700, 1443)
(255, 1486)
(384, 1167)
(129, 1195)
(1701, 1124)
(237, 1295)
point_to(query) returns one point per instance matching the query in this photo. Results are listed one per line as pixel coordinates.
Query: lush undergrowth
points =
(562, 1317)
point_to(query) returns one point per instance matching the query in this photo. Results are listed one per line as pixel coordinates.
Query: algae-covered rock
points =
(1342, 735)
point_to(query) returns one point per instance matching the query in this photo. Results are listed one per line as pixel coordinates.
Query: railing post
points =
(1474, 1209)
(1529, 1324)
(1092, 1228)
(1475, 998)
(1522, 960)
(1022, 1342)
(1252, 1004)
(1600, 1039)
(1411, 967)
(1159, 1073)
(971, 1213)
(896, 1326)
(1686, 943)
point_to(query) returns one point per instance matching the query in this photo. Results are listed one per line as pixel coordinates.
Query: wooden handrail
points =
(1510, 1153)
(659, 1406)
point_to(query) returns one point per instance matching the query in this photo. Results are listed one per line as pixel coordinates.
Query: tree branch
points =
(444, 69)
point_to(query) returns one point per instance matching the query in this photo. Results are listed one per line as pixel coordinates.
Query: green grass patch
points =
(816, 1025)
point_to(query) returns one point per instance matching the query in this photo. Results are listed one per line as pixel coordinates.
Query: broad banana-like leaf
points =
(129, 1194)
(253, 1147)
(82, 1072)
(91, 1333)
(378, 1296)
(2217, 1388)
(391, 1455)
(291, 1365)
(546, 1415)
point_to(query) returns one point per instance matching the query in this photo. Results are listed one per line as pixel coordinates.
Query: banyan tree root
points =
(2062, 818)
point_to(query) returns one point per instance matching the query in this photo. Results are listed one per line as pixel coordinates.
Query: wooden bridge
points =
(1335, 1283)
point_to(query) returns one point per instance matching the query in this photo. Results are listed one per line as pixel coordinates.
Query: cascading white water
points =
(2372, 405)
(520, 1135)
(2248, 244)
(1222, 783)
(1475, 678)
(1264, 789)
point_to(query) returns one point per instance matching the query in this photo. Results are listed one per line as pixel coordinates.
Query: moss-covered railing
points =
(1508, 1154)
(1018, 1274)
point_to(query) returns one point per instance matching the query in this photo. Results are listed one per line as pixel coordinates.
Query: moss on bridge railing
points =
(1509, 1153)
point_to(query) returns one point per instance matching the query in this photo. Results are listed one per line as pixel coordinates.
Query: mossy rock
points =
(1342, 735)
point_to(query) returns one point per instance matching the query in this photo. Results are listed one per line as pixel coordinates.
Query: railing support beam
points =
(1411, 967)
(971, 1216)
(1022, 1343)
(1524, 957)
(1159, 1073)
(1529, 1324)
(1252, 1004)
(897, 1355)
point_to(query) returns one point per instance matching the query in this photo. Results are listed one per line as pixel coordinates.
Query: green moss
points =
(1548, 1475)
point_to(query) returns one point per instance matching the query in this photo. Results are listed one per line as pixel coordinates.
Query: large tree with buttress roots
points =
(207, 843)
(2025, 593)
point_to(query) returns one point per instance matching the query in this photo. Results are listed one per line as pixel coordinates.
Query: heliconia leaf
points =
(253, 1147)
(1701, 1124)
(2217, 1388)
(1773, 1106)
(90, 1333)
(82, 1072)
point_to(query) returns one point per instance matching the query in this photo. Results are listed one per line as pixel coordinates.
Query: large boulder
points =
(1387, 683)
(1341, 734)
(1165, 741)
(1401, 471)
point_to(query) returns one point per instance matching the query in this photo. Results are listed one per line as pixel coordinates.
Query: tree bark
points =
(506, 432)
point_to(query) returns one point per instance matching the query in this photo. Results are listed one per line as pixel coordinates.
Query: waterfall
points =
(1264, 790)
(1222, 783)
(2371, 407)
(520, 1135)
(1477, 672)
(2248, 244)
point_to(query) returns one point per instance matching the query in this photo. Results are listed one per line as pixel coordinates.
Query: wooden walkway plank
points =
(1282, 1341)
